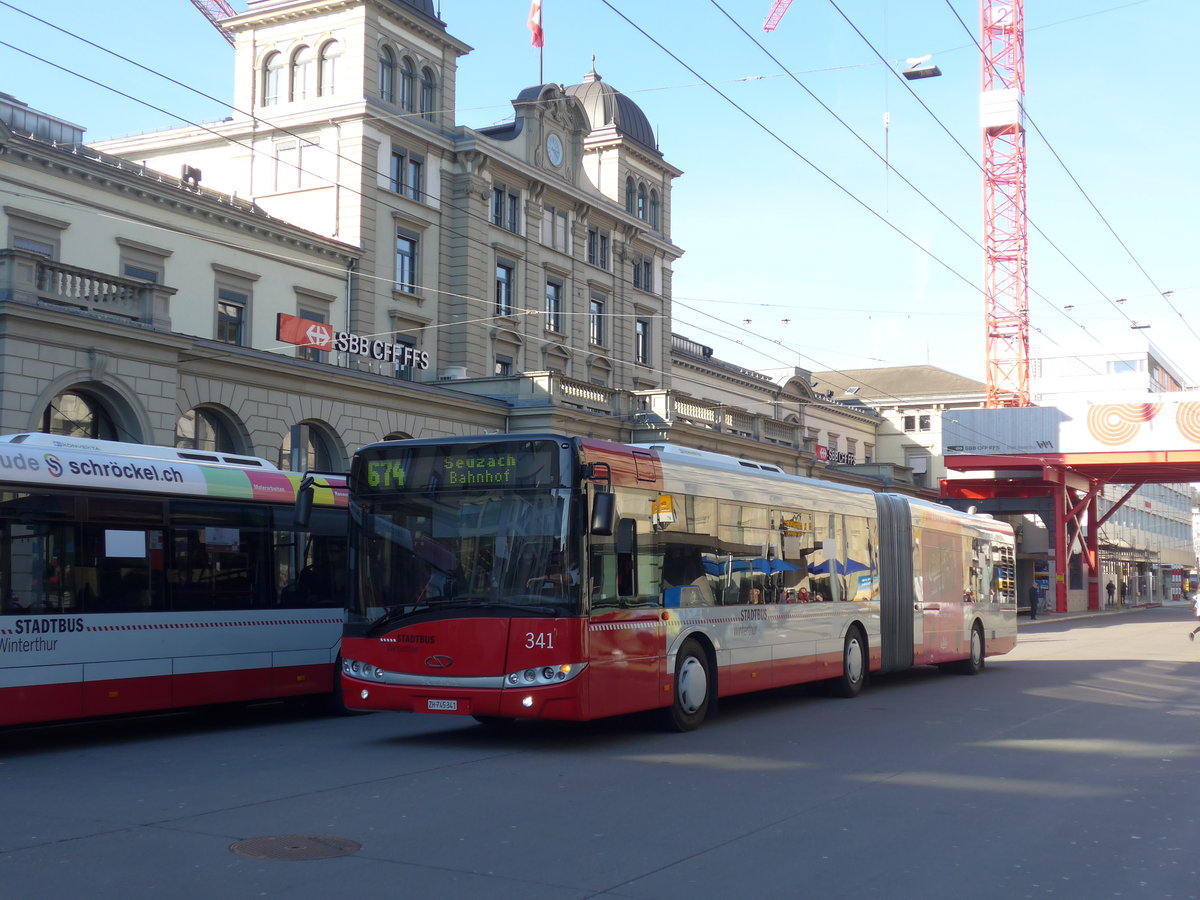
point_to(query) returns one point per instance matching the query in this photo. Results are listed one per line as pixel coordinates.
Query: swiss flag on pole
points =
(535, 22)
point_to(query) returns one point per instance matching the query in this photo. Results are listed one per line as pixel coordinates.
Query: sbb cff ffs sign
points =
(321, 336)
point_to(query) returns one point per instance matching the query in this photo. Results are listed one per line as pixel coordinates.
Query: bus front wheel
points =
(692, 692)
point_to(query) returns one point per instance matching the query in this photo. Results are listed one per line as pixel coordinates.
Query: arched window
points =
(272, 79)
(387, 75)
(407, 84)
(79, 414)
(203, 429)
(327, 67)
(318, 453)
(654, 210)
(428, 94)
(641, 202)
(630, 194)
(302, 74)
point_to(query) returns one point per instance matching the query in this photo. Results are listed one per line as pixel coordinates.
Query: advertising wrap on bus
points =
(140, 578)
(75, 465)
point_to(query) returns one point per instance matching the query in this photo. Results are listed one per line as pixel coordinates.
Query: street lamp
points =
(921, 67)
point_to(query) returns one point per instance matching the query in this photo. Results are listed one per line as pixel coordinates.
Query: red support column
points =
(1092, 555)
(1062, 552)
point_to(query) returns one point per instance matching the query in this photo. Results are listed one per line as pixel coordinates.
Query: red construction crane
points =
(215, 11)
(1005, 238)
(778, 8)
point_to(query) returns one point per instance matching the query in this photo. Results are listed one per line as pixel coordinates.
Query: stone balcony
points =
(32, 279)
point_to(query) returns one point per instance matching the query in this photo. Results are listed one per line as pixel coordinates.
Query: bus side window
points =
(627, 557)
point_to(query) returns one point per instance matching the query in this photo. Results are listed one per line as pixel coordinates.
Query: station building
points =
(340, 262)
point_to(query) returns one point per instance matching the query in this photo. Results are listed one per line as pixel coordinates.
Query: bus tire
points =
(334, 703)
(693, 688)
(973, 664)
(855, 662)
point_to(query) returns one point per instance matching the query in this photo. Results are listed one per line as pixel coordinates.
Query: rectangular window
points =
(407, 246)
(404, 373)
(231, 316)
(910, 423)
(514, 208)
(504, 289)
(416, 178)
(132, 271)
(597, 247)
(396, 173)
(641, 341)
(643, 273)
(287, 166)
(42, 248)
(554, 291)
(34, 233)
(406, 174)
(143, 262)
(504, 365)
(596, 320)
(554, 228)
(506, 206)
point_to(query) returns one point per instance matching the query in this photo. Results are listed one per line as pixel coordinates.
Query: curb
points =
(1095, 613)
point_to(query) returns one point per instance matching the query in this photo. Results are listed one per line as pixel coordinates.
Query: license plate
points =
(443, 705)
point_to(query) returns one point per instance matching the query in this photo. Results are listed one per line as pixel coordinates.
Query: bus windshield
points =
(507, 551)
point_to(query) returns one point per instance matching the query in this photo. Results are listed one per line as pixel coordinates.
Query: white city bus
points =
(138, 578)
(546, 576)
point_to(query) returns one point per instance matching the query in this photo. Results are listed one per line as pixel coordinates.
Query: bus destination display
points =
(516, 465)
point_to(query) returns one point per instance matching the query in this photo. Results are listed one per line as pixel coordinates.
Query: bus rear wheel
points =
(973, 664)
(692, 692)
(854, 665)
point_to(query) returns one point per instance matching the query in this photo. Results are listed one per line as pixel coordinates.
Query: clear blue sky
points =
(1111, 84)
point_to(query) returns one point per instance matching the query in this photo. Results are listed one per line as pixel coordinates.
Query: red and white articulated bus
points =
(137, 578)
(542, 576)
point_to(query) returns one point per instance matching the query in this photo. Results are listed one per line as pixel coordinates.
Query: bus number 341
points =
(543, 640)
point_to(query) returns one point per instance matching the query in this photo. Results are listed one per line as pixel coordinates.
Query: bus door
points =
(626, 632)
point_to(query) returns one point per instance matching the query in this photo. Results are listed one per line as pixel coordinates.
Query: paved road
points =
(1068, 769)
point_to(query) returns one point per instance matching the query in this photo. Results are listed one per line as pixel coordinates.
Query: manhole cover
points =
(295, 847)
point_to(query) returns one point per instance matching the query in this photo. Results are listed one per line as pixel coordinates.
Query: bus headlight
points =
(543, 675)
(356, 669)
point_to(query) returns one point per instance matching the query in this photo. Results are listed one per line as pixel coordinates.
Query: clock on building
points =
(554, 149)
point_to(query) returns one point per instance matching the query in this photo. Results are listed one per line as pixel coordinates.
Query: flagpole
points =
(535, 26)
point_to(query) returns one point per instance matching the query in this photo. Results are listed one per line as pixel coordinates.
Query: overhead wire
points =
(224, 137)
(284, 130)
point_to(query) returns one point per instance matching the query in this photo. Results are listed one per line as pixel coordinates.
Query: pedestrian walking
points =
(1033, 603)
(1110, 589)
(1196, 610)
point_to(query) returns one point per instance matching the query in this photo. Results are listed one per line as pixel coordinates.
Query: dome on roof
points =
(606, 107)
(424, 7)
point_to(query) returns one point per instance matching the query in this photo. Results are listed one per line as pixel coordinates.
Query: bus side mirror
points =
(626, 558)
(304, 503)
(604, 514)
